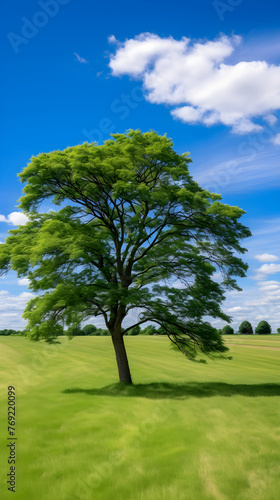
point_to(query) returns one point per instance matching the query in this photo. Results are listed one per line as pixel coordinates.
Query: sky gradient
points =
(207, 73)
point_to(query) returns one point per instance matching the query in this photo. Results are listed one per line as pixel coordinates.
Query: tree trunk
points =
(121, 357)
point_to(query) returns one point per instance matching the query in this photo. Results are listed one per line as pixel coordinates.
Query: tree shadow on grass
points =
(164, 390)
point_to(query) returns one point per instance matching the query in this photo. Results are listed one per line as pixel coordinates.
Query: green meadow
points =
(184, 431)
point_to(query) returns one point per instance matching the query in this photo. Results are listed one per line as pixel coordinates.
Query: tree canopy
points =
(134, 231)
(263, 328)
(89, 329)
(227, 330)
(245, 328)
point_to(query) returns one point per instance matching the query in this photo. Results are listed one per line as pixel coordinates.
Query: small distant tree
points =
(149, 330)
(75, 331)
(227, 330)
(161, 331)
(278, 330)
(245, 328)
(134, 331)
(96, 332)
(89, 329)
(263, 328)
(103, 332)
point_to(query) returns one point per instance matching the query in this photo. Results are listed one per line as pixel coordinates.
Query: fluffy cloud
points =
(195, 77)
(11, 309)
(15, 219)
(262, 301)
(266, 257)
(267, 269)
(23, 282)
(269, 286)
(271, 119)
(237, 309)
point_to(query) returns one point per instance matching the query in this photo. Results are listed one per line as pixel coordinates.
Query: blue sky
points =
(206, 73)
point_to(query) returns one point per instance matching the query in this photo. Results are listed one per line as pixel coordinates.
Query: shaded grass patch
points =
(164, 390)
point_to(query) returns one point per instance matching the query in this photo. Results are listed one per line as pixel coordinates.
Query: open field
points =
(184, 431)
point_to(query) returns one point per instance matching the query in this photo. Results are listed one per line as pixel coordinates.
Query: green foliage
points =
(74, 331)
(136, 330)
(103, 332)
(133, 221)
(89, 329)
(161, 331)
(245, 328)
(263, 328)
(9, 332)
(149, 330)
(97, 332)
(278, 330)
(227, 330)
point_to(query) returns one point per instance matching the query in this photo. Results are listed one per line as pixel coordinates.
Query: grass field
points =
(185, 431)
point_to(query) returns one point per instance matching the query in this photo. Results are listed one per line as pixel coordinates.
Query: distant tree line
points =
(263, 328)
(10, 332)
(136, 330)
(93, 330)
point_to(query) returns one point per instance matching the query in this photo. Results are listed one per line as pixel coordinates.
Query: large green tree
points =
(227, 330)
(132, 223)
(263, 328)
(245, 328)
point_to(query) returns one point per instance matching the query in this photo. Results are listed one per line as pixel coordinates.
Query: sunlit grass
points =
(183, 431)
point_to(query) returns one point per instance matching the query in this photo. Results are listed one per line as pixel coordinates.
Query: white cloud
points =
(195, 77)
(276, 140)
(271, 119)
(8, 315)
(269, 286)
(217, 276)
(266, 257)
(267, 269)
(26, 295)
(264, 283)
(112, 39)
(24, 282)
(259, 299)
(80, 59)
(15, 219)
(11, 309)
(264, 301)
(236, 309)
(188, 114)
(178, 284)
